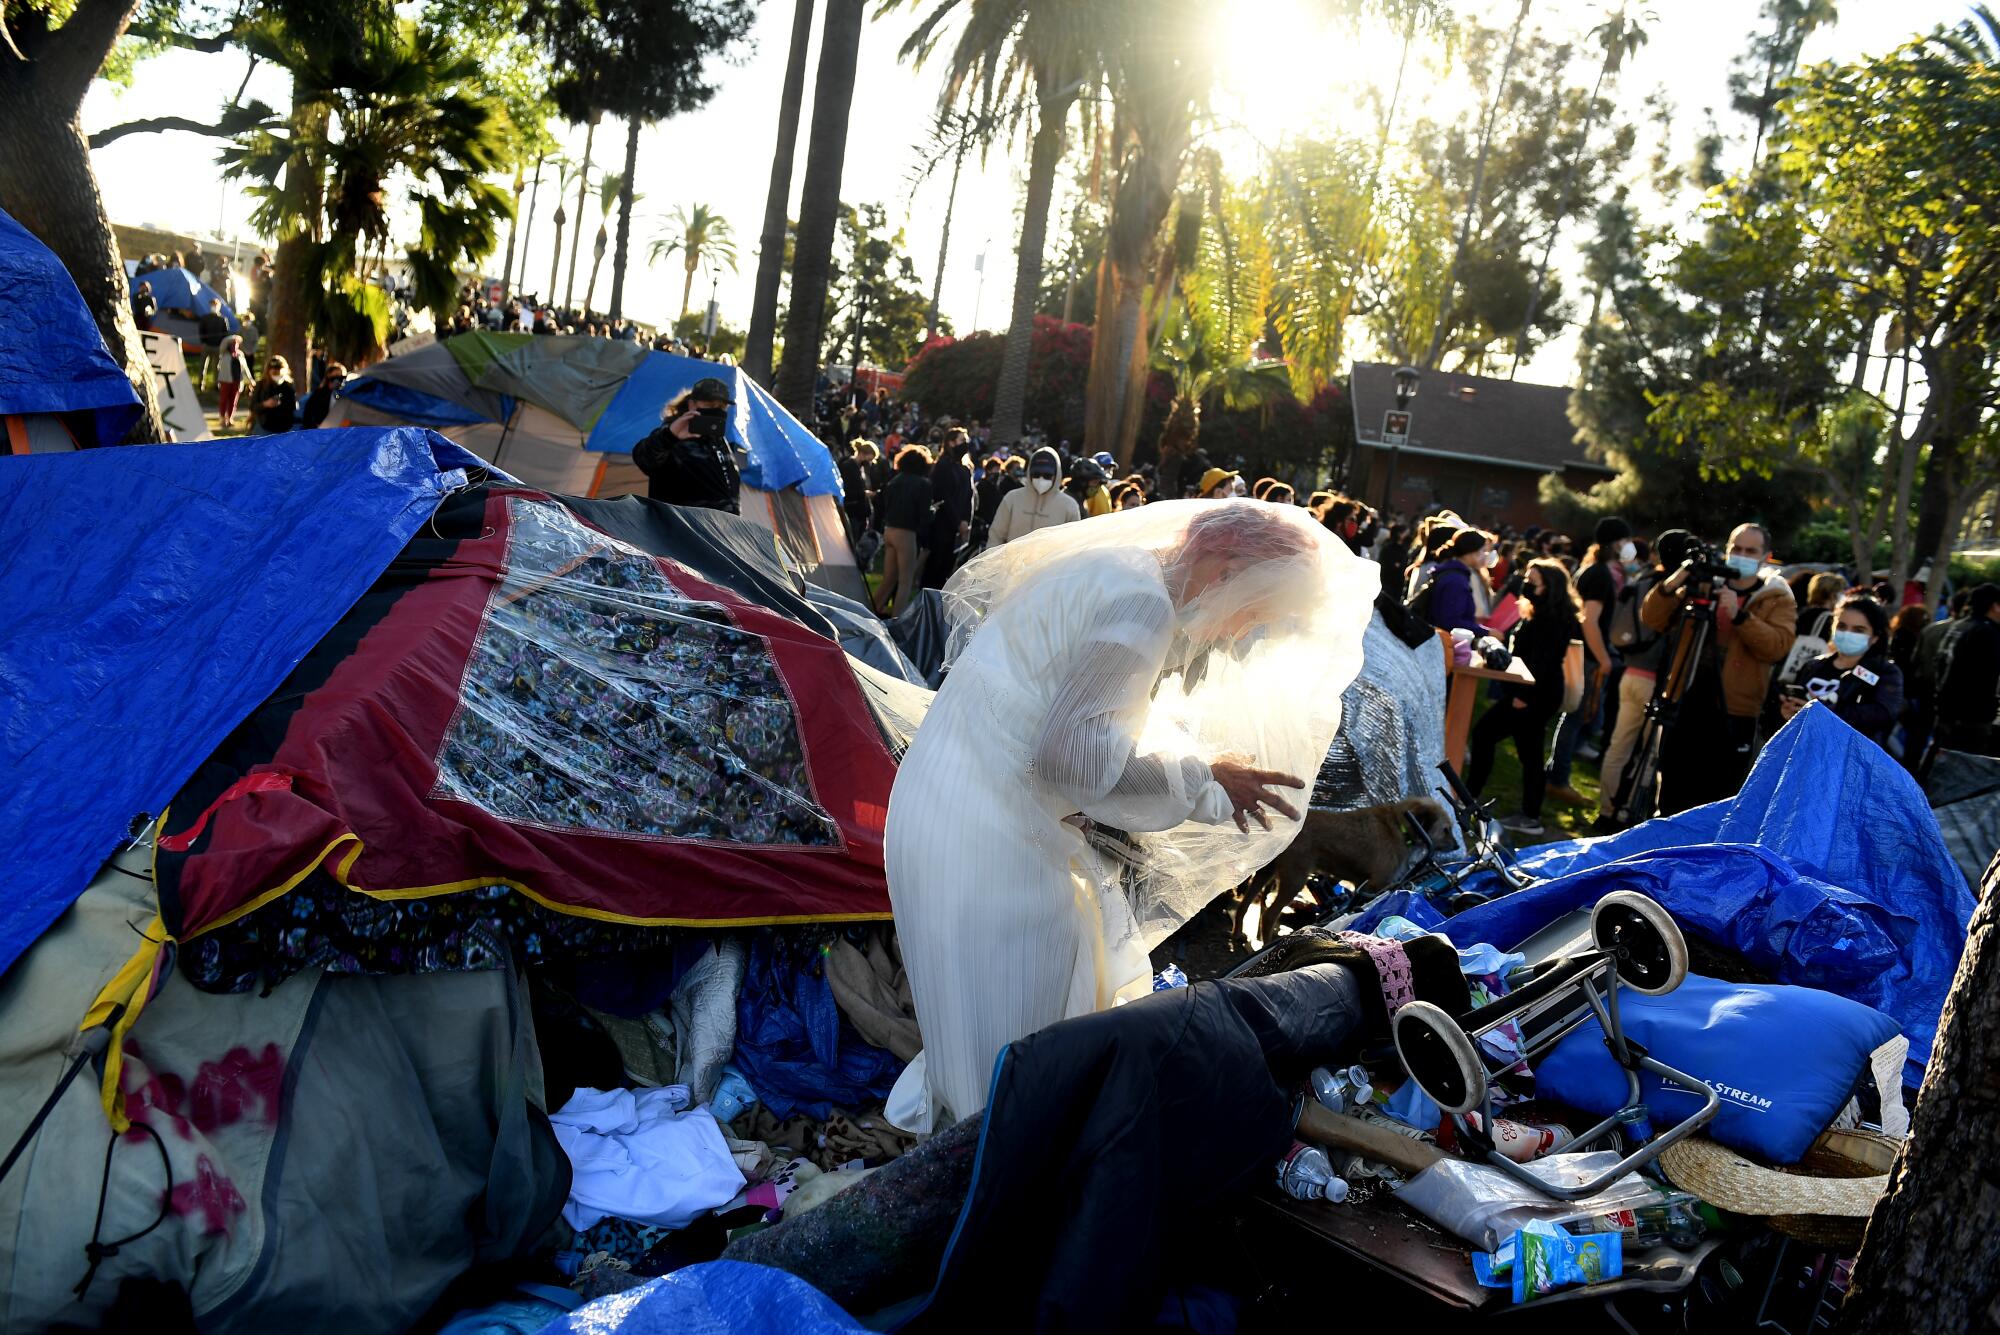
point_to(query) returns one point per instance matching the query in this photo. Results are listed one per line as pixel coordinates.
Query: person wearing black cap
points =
(1640, 648)
(1597, 585)
(687, 460)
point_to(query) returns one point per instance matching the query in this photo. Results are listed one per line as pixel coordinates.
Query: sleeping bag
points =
(1785, 1060)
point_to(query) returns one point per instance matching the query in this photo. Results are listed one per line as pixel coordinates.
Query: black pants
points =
(1527, 727)
(1706, 755)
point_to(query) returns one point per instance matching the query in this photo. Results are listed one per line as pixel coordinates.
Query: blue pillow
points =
(1784, 1059)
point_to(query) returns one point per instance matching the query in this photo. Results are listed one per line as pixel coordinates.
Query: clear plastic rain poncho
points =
(1056, 814)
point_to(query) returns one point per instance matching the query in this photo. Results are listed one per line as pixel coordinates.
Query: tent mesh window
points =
(600, 698)
(794, 526)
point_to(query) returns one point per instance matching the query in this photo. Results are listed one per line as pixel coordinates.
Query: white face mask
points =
(1041, 484)
(1626, 551)
(1489, 559)
(1239, 488)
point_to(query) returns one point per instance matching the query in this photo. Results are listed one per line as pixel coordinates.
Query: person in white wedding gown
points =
(1172, 673)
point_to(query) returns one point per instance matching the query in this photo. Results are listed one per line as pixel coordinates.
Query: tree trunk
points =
(1010, 395)
(621, 253)
(1931, 1259)
(513, 226)
(771, 241)
(1438, 335)
(528, 229)
(1144, 197)
(576, 237)
(555, 261)
(944, 240)
(47, 184)
(295, 263)
(596, 263)
(687, 288)
(819, 205)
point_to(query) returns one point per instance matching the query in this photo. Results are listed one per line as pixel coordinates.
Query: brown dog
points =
(1365, 847)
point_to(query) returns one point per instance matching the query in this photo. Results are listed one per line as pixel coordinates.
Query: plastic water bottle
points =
(1306, 1174)
(1341, 1091)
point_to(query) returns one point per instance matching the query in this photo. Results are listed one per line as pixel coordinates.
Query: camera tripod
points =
(1694, 627)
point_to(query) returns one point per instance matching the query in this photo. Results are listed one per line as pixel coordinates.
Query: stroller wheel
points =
(1440, 1057)
(1645, 941)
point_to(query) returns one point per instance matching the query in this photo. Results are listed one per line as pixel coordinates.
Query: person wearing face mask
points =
(1447, 600)
(687, 460)
(1858, 679)
(1541, 641)
(1704, 757)
(1597, 585)
(1040, 504)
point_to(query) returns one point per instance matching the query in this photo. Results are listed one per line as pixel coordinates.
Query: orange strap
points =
(17, 435)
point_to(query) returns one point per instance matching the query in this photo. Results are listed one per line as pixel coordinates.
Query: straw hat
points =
(1843, 1175)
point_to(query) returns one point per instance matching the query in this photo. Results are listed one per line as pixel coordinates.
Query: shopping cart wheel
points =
(1440, 1057)
(1651, 953)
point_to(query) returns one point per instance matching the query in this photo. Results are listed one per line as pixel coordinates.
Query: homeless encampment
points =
(386, 727)
(562, 412)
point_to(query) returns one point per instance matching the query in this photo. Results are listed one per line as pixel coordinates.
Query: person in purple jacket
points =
(1447, 601)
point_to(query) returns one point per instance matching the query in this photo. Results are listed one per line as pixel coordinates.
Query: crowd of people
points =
(1742, 649)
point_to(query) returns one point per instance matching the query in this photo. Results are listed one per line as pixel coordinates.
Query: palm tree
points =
(1197, 377)
(756, 360)
(1620, 37)
(1478, 191)
(1005, 43)
(610, 189)
(398, 104)
(696, 235)
(528, 228)
(576, 237)
(819, 205)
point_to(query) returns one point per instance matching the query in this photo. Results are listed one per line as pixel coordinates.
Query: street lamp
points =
(1396, 426)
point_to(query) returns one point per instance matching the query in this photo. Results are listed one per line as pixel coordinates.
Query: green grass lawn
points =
(1560, 820)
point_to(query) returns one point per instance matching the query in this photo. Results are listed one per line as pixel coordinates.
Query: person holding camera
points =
(1857, 679)
(1708, 751)
(687, 460)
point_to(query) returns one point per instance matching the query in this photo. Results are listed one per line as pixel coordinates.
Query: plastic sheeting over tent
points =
(53, 363)
(562, 412)
(119, 678)
(1827, 870)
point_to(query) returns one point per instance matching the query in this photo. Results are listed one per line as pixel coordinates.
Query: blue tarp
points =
(52, 358)
(783, 452)
(179, 289)
(155, 595)
(1827, 870)
(413, 405)
(713, 1298)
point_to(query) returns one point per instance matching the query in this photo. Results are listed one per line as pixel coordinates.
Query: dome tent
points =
(562, 412)
(60, 389)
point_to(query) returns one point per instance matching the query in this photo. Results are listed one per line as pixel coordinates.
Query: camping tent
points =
(563, 412)
(59, 387)
(180, 290)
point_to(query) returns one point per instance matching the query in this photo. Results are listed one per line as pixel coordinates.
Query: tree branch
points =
(153, 125)
(187, 41)
(76, 51)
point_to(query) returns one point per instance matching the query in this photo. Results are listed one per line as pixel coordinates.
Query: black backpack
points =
(1630, 635)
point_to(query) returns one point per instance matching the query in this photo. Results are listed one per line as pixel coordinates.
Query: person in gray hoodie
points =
(1038, 505)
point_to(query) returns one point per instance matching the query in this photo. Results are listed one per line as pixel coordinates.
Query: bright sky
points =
(1286, 74)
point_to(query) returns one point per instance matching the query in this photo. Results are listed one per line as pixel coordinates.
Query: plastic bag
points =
(1483, 1205)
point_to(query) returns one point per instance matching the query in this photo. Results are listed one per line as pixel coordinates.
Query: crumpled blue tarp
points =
(180, 289)
(792, 1043)
(713, 1298)
(1827, 870)
(155, 595)
(52, 358)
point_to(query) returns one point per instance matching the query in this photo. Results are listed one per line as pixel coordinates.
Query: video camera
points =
(1703, 561)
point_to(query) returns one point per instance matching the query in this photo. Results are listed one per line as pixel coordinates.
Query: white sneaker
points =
(1590, 753)
(1521, 824)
